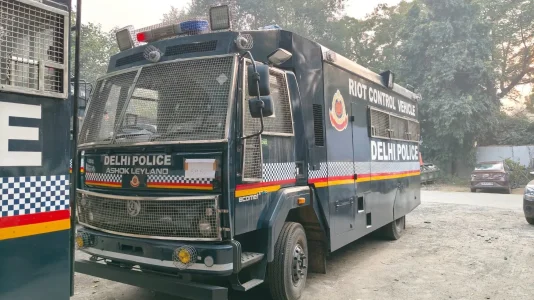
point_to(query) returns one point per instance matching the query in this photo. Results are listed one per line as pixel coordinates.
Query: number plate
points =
(486, 183)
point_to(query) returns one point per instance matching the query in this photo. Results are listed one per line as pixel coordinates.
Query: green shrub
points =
(518, 173)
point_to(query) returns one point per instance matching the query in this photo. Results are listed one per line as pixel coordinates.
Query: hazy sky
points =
(141, 13)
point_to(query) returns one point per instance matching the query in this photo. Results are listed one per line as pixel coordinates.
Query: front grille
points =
(173, 218)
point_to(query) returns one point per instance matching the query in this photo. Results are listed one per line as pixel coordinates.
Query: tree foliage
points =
(463, 56)
(97, 46)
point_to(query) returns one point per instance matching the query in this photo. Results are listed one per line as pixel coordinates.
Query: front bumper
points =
(153, 281)
(482, 184)
(157, 255)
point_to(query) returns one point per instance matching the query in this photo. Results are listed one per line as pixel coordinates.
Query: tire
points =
(394, 230)
(530, 220)
(284, 280)
(508, 190)
(473, 190)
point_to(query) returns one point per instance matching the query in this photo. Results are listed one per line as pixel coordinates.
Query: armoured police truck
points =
(214, 156)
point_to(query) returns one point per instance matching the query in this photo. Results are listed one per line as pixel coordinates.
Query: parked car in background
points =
(528, 201)
(491, 175)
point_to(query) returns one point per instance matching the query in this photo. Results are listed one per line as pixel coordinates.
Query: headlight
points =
(529, 193)
(473, 177)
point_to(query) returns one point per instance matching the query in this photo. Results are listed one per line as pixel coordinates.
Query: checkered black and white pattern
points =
(112, 178)
(279, 171)
(337, 169)
(33, 194)
(177, 179)
(321, 173)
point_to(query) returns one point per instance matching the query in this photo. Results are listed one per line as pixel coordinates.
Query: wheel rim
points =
(299, 264)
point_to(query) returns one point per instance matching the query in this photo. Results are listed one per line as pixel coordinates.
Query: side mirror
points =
(532, 173)
(261, 107)
(263, 84)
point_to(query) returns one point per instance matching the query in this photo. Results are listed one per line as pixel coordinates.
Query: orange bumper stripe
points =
(33, 229)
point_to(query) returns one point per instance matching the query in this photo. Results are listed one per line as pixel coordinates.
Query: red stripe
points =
(334, 178)
(34, 218)
(179, 184)
(263, 184)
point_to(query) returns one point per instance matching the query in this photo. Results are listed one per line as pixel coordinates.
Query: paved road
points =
(495, 200)
(456, 246)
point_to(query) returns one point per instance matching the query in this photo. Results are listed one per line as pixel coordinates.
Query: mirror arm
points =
(257, 79)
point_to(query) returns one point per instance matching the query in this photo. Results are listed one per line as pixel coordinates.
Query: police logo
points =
(135, 181)
(133, 207)
(338, 113)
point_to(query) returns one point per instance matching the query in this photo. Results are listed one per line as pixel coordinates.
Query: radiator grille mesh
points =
(32, 48)
(174, 219)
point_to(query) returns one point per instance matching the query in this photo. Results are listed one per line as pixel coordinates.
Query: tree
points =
(446, 52)
(310, 18)
(97, 46)
(512, 33)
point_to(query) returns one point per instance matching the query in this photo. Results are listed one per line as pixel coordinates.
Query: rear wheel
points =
(394, 230)
(530, 221)
(287, 273)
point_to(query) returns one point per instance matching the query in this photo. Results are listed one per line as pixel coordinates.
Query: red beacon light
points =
(141, 37)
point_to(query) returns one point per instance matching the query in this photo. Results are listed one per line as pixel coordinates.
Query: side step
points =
(249, 259)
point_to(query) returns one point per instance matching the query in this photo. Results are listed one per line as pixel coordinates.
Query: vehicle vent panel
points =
(130, 59)
(191, 48)
(318, 125)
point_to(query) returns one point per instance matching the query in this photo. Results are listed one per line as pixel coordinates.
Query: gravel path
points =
(449, 251)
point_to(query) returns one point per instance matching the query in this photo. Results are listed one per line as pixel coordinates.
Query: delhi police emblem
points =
(133, 207)
(135, 181)
(338, 113)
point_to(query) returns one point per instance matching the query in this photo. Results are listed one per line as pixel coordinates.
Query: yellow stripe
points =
(115, 185)
(366, 179)
(33, 229)
(207, 188)
(254, 191)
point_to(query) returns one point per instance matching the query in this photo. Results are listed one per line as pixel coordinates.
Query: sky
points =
(141, 13)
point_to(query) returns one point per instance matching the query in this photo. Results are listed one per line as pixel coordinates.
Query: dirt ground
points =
(448, 252)
(462, 188)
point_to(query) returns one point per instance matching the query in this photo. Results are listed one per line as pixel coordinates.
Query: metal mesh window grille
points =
(33, 48)
(399, 128)
(104, 109)
(195, 219)
(380, 126)
(281, 122)
(175, 107)
(414, 133)
(183, 100)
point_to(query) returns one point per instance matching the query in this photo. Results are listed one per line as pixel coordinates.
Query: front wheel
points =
(530, 221)
(288, 271)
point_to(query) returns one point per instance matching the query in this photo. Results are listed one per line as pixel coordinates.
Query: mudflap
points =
(155, 282)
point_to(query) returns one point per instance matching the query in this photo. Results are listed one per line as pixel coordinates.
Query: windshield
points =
(178, 101)
(489, 167)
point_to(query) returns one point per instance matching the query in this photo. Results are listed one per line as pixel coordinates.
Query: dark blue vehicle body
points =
(329, 169)
(35, 149)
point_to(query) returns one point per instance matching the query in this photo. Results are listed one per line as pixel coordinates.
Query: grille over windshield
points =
(178, 101)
